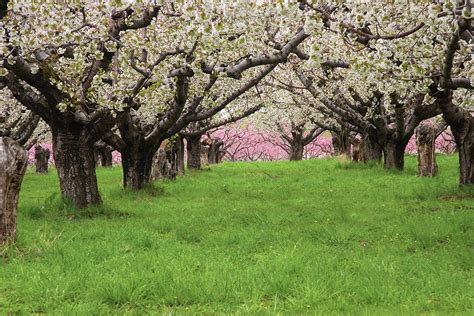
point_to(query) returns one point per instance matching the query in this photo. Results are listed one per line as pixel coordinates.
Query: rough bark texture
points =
(356, 150)
(164, 163)
(214, 150)
(296, 150)
(41, 159)
(366, 149)
(180, 155)
(162, 166)
(370, 150)
(137, 168)
(341, 144)
(193, 147)
(204, 155)
(394, 155)
(13, 162)
(220, 155)
(465, 144)
(103, 154)
(462, 126)
(75, 162)
(425, 143)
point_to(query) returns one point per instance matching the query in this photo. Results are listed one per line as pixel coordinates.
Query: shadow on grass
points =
(56, 206)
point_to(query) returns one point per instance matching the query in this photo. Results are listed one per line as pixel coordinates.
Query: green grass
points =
(311, 237)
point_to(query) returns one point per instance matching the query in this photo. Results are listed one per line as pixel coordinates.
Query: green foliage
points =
(313, 237)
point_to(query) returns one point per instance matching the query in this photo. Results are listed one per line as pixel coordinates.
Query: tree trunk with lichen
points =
(341, 144)
(465, 144)
(13, 162)
(41, 159)
(180, 155)
(75, 162)
(394, 155)
(425, 144)
(193, 147)
(296, 150)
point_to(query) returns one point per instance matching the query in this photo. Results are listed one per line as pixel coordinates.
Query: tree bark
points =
(461, 124)
(465, 144)
(296, 151)
(161, 166)
(180, 155)
(137, 168)
(103, 153)
(214, 150)
(41, 159)
(357, 150)
(193, 147)
(394, 155)
(13, 162)
(75, 162)
(341, 144)
(220, 155)
(204, 155)
(370, 150)
(425, 143)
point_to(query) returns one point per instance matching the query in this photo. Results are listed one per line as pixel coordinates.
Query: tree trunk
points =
(370, 150)
(103, 154)
(220, 155)
(193, 147)
(13, 162)
(214, 150)
(296, 151)
(180, 155)
(161, 167)
(394, 155)
(461, 124)
(41, 159)
(75, 162)
(204, 155)
(465, 145)
(425, 144)
(357, 150)
(137, 165)
(341, 144)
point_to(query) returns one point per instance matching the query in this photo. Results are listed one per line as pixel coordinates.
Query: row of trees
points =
(134, 74)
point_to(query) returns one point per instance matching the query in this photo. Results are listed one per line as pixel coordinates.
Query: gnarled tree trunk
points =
(425, 144)
(394, 155)
(137, 165)
(462, 126)
(180, 155)
(465, 144)
(193, 147)
(214, 150)
(103, 154)
(75, 162)
(220, 155)
(13, 162)
(204, 155)
(341, 144)
(357, 150)
(296, 150)
(41, 159)
(370, 150)
(161, 165)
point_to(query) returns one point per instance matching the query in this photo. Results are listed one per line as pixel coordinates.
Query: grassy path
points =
(313, 237)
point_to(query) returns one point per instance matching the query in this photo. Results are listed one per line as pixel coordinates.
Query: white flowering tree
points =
(51, 55)
(402, 51)
(210, 55)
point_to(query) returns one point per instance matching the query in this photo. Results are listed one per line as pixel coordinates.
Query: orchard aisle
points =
(291, 237)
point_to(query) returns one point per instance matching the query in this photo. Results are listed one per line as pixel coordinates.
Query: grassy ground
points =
(312, 237)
